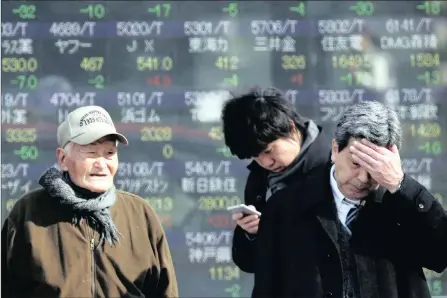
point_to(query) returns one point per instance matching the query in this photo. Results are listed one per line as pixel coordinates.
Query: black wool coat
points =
(243, 249)
(393, 238)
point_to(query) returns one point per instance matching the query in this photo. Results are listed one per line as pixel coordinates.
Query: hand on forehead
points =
(370, 148)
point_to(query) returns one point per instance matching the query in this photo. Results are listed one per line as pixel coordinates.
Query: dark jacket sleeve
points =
(243, 246)
(243, 250)
(265, 269)
(420, 225)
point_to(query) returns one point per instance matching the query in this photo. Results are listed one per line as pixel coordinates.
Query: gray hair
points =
(371, 120)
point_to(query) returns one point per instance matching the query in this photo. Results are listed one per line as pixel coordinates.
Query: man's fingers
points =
(359, 147)
(362, 163)
(251, 224)
(237, 216)
(377, 148)
(247, 219)
(363, 156)
(248, 223)
(251, 227)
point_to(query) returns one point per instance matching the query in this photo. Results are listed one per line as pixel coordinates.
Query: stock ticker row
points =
(163, 70)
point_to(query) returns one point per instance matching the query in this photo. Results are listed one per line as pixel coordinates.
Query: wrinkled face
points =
(279, 154)
(353, 181)
(91, 166)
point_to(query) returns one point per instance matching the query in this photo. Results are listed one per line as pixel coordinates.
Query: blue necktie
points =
(352, 215)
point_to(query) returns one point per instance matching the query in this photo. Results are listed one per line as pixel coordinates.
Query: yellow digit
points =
(286, 64)
(141, 63)
(168, 151)
(343, 61)
(213, 272)
(168, 133)
(219, 62)
(167, 63)
(207, 203)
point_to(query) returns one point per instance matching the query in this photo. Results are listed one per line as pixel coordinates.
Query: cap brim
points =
(93, 136)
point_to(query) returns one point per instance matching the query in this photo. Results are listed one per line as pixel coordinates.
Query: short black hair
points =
(253, 120)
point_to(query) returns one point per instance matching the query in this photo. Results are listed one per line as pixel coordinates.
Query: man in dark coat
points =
(355, 227)
(265, 126)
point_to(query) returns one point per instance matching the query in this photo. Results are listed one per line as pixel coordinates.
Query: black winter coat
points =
(393, 238)
(255, 191)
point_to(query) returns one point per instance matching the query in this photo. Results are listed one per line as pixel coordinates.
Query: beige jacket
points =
(45, 255)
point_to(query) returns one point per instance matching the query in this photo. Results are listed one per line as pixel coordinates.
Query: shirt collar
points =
(338, 196)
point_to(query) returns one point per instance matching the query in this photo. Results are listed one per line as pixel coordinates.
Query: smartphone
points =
(243, 209)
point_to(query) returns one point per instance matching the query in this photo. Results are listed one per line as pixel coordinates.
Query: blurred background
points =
(163, 70)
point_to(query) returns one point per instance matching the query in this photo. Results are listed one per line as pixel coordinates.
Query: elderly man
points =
(359, 227)
(78, 236)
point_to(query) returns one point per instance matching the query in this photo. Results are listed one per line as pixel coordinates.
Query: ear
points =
(295, 132)
(61, 159)
(334, 150)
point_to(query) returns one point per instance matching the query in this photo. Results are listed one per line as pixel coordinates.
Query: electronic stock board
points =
(163, 70)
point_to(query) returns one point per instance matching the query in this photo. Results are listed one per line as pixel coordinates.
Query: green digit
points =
(99, 11)
(32, 82)
(233, 9)
(436, 148)
(167, 9)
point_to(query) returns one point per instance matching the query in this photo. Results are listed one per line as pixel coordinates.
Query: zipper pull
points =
(92, 244)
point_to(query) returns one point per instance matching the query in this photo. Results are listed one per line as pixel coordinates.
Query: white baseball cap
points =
(86, 125)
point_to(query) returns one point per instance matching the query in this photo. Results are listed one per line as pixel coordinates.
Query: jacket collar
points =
(318, 193)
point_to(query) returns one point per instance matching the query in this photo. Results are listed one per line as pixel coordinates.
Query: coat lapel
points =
(327, 217)
(321, 201)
